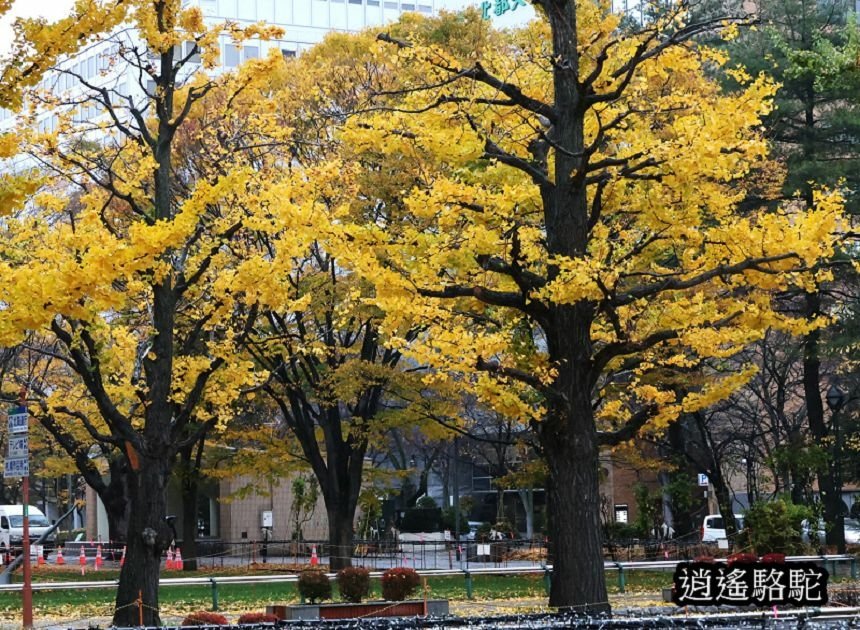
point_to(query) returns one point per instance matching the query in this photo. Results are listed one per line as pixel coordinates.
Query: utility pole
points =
(456, 499)
(17, 465)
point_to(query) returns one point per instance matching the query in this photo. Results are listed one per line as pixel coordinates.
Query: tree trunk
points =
(148, 537)
(189, 525)
(340, 535)
(191, 459)
(578, 580)
(724, 504)
(831, 498)
(117, 510)
(115, 497)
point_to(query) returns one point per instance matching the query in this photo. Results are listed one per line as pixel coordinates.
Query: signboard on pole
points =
(18, 420)
(703, 479)
(19, 446)
(16, 467)
(17, 463)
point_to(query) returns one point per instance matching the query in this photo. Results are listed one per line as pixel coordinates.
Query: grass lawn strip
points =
(518, 591)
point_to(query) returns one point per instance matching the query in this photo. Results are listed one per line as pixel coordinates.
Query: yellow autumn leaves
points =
(377, 156)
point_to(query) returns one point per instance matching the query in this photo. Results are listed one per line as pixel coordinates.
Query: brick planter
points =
(408, 608)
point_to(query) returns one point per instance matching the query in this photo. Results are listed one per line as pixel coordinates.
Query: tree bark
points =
(340, 535)
(578, 581)
(191, 459)
(148, 537)
(189, 524)
(115, 500)
(834, 510)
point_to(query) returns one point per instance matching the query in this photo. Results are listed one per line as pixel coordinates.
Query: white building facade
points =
(305, 23)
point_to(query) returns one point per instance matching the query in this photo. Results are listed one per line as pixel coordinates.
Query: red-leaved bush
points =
(257, 617)
(742, 558)
(204, 618)
(314, 585)
(399, 583)
(353, 583)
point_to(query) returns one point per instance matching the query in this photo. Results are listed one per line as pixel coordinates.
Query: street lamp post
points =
(836, 399)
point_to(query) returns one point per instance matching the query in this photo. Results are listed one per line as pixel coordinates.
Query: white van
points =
(12, 527)
(713, 527)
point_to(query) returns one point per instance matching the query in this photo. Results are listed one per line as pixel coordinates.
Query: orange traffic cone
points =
(82, 559)
(98, 562)
(168, 564)
(60, 559)
(122, 560)
(40, 560)
(314, 558)
(177, 563)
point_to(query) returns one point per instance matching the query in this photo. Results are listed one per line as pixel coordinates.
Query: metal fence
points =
(374, 554)
(421, 554)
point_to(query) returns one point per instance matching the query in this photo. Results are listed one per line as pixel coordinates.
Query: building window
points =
(231, 56)
(355, 1)
(621, 514)
(251, 52)
(425, 9)
(391, 5)
(288, 54)
(407, 7)
(195, 58)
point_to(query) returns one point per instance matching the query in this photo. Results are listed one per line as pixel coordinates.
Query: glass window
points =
(231, 56)
(195, 58)
(390, 5)
(288, 53)
(91, 66)
(407, 7)
(355, 1)
(35, 521)
(252, 52)
(4, 522)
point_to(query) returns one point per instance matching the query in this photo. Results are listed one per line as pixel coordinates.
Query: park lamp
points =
(835, 397)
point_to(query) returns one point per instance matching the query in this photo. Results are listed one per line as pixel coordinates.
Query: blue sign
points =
(18, 420)
(16, 467)
(499, 7)
(703, 479)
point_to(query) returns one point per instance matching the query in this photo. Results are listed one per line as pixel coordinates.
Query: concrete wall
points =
(241, 518)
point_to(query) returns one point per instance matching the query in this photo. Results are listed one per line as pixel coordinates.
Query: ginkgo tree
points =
(570, 239)
(115, 257)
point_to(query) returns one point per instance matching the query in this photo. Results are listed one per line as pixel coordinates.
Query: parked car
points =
(12, 527)
(713, 527)
(473, 529)
(852, 531)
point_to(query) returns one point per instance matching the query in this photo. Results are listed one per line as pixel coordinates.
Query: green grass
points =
(235, 598)
(71, 603)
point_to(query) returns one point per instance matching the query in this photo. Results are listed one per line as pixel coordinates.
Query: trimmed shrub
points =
(353, 584)
(205, 618)
(314, 585)
(257, 617)
(399, 583)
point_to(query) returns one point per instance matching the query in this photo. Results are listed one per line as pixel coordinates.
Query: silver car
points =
(852, 531)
